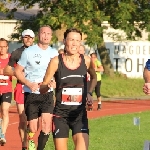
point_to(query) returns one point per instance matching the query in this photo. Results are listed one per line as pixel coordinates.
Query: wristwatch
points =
(90, 93)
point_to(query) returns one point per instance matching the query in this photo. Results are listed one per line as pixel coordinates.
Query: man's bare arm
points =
(8, 71)
(51, 69)
(99, 68)
(18, 72)
(146, 75)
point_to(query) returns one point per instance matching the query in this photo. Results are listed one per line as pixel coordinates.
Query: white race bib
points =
(71, 96)
(4, 80)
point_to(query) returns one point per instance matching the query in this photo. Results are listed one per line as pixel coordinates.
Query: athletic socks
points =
(99, 106)
(42, 139)
(31, 144)
(30, 135)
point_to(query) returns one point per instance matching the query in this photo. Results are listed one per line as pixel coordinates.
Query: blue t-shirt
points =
(148, 64)
(35, 62)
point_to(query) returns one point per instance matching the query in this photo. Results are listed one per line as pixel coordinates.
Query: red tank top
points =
(5, 81)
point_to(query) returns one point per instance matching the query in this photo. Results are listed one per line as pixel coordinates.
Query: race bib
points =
(4, 80)
(71, 96)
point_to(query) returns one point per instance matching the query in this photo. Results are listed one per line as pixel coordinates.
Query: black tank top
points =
(71, 89)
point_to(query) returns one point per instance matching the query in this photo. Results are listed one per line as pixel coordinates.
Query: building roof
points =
(20, 14)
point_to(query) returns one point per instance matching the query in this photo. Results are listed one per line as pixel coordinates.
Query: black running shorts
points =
(36, 104)
(5, 97)
(61, 126)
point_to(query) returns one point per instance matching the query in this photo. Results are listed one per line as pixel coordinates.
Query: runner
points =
(70, 71)
(34, 61)
(5, 90)
(27, 39)
(82, 49)
(98, 69)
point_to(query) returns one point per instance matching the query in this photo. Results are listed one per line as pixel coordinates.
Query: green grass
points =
(121, 87)
(115, 133)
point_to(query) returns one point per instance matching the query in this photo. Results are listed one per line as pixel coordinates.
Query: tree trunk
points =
(105, 60)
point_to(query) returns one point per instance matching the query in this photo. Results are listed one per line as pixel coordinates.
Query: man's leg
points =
(32, 112)
(60, 130)
(6, 102)
(97, 91)
(22, 128)
(46, 129)
(22, 125)
(47, 106)
(80, 133)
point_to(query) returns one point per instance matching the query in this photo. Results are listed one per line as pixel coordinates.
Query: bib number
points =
(4, 80)
(71, 96)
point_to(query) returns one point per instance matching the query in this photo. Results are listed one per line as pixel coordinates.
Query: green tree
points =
(131, 16)
(3, 7)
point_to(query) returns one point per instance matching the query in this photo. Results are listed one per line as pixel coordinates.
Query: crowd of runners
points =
(43, 72)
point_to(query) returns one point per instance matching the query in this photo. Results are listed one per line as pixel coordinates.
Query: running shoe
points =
(2, 140)
(32, 145)
(99, 107)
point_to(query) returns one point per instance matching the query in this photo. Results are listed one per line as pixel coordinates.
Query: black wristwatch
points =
(90, 93)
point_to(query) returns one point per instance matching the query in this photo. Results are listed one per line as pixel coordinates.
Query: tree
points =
(2, 7)
(131, 16)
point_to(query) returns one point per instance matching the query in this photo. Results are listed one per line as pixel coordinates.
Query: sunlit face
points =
(3, 47)
(72, 42)
(93, 57)
(27, 40)
(45, 35)
(82, 50)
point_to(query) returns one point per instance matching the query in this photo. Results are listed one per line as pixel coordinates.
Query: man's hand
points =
(52, 84)
(146, 88)
(33, 86)
(89, 99)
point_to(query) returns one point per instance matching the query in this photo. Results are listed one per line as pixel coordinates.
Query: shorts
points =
(36, 104)
(62, 125)
(98, 88)
(5, 97)
(18, 95)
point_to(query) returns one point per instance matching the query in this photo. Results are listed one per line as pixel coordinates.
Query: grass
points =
(115, 133)
(119, 86)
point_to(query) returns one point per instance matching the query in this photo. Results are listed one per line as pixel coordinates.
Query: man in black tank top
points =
(70, 71)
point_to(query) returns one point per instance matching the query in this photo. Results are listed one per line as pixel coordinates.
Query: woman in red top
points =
(5, 90)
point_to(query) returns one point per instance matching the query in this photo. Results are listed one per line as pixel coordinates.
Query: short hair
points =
(72, 30)
(45, 26)
(93, 54)
(2, 39)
